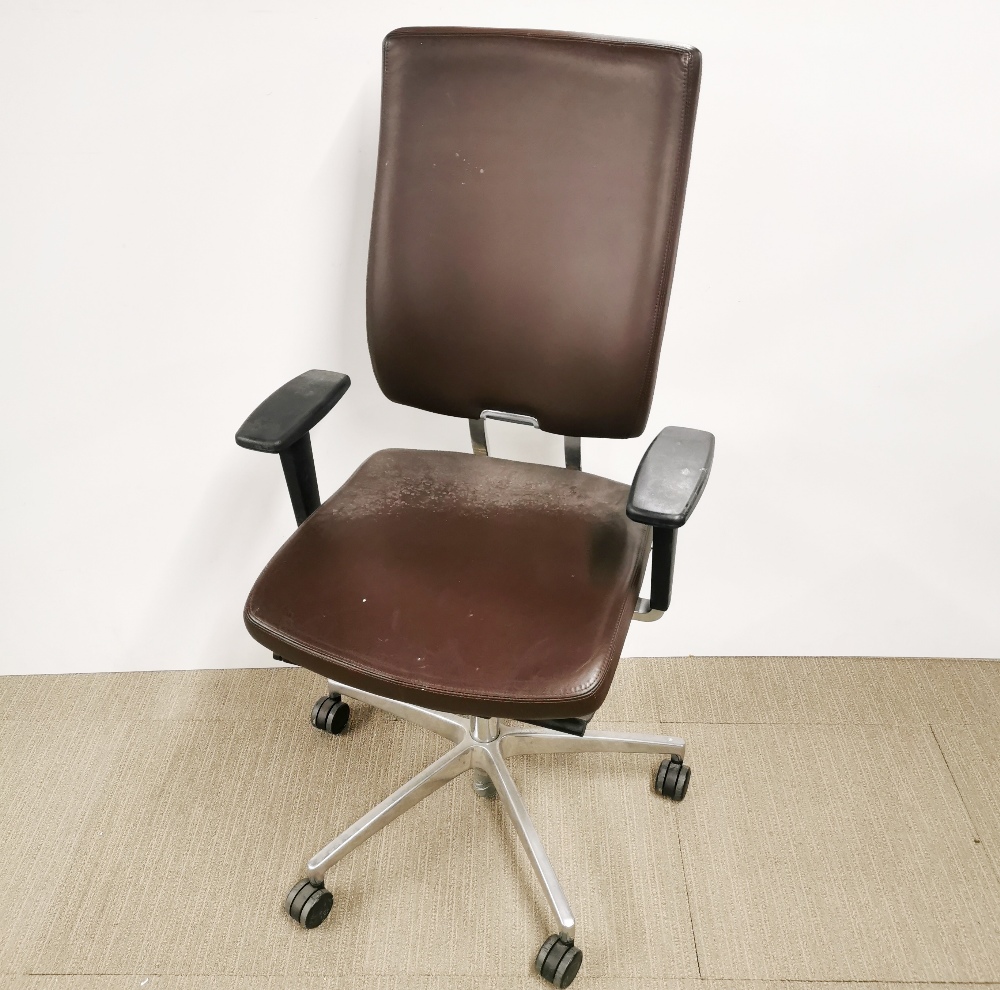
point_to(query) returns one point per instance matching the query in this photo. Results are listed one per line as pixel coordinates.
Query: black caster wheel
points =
(331, 714)
(309, 903)
(672, 778)
(558, 961)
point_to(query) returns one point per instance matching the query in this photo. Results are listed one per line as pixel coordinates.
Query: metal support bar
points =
(477, 430)
(514, 806)
(518, 741)
(571, 446)
(449, 766)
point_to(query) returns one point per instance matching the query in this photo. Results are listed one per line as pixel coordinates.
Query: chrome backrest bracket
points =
(477, 427)
(506, 417)
(477, 430)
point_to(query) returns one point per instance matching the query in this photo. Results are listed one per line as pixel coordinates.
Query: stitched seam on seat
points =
(367, 672)
(660, 314)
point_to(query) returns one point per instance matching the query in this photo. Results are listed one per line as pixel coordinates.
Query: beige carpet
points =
(842, 826)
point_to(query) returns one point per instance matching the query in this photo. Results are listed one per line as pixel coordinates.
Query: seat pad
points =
(469, 584)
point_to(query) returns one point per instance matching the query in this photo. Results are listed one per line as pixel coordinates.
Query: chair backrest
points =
(527, 205)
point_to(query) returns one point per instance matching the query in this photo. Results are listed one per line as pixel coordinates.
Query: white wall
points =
(185, 191)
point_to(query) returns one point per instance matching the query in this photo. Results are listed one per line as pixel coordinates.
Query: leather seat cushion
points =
(464, 583)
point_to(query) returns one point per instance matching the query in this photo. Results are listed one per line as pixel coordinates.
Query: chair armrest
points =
(668, 484)
(292, 411)
(281, 425)
(671, 477)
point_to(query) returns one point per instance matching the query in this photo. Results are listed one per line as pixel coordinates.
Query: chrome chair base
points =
(481, 746)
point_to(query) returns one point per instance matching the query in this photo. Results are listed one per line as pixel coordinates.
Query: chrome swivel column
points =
(484, 730)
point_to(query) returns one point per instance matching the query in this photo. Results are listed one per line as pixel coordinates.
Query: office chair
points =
(526, 215)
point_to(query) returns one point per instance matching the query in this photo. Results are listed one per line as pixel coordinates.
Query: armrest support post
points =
(300, 477)
(662, 576)
(667, 486)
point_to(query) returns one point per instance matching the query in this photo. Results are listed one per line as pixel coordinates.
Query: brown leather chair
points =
(527, 207)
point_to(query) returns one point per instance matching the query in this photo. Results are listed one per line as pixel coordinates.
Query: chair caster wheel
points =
(331, 714)
(309, 903)
(672, 778)
(558, 961)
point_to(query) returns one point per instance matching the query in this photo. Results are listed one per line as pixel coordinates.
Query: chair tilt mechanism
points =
(527, 207)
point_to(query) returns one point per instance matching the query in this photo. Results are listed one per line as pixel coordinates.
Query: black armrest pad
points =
(671, 477)
(292, 411)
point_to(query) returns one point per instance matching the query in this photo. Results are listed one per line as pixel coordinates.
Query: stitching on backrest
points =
(571, 39)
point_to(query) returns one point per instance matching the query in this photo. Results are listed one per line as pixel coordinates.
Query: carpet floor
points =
(842, 827)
